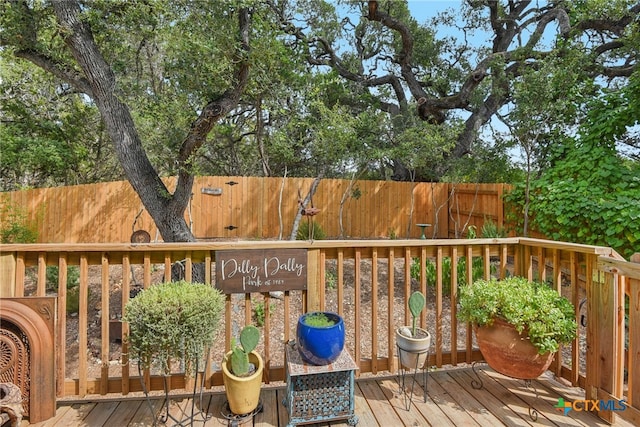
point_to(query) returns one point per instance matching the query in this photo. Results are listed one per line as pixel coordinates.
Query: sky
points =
(424, 9)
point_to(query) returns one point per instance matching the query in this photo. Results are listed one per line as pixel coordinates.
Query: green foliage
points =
(472, 233)
(16, 226)
(173, 321)
(73, 277)
(595, 205)
(330, 279)
(313, 232)
(533, 308)
(477, 271)
(417, 303)
(318, 320)
(392, 234)
(259, 312)
(46, 129)
(249, 338)
(490, 230)
(73, 285)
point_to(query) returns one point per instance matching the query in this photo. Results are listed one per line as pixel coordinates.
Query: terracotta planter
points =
(243, 393)
(510, 353)
(414, 351)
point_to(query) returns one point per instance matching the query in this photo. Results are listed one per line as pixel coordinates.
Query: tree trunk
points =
(99, 82)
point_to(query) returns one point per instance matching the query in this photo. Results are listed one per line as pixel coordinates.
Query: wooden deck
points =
(452, 401)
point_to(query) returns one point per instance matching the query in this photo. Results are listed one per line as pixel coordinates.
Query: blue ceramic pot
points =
(320, 345)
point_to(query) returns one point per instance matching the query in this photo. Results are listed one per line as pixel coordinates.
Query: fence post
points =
(314, 281)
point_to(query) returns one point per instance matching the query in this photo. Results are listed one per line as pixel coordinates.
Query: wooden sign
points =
(261, 270)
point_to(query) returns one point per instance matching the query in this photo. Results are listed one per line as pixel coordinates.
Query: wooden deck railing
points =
(367, 281)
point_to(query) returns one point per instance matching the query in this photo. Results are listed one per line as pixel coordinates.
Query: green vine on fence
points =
(596, 205)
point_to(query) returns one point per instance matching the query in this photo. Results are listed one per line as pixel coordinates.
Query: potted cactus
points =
(242, 373)
(413, 342)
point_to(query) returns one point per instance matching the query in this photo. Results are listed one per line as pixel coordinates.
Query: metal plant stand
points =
(411, 373)
(319, 393)
(528, 384)
(235, 420)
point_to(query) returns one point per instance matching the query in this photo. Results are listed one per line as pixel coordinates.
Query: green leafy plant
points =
(310, 230)
(472, 232)
(318, 320)
(173, 321)
(15, 226)
(417, 302)
(53, 274)
(533, 308)
(73, 285)
(477, 271)
(331, 280)
(491, 230)
(392, 234)
(569, 202)
(249, 338)
(259, 312)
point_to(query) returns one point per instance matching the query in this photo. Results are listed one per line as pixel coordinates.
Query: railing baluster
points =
(575, 299)
(357, 305)
(438, 299)
(188, 267)
(374, 311)
(407, 282)
(105, 318)
(20, 274)
(167, 267)
(61, 326)
(267, 340)
(340, 281)
(453, 312)
(83, 313)
(469, 272)
(391, 351)
(126, 288)
(42, 274)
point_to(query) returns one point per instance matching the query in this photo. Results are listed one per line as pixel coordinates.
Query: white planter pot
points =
(413, 351)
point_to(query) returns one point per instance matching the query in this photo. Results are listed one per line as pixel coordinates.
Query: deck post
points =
(7, 274)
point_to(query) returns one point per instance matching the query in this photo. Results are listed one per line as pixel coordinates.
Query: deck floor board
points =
(451, 401)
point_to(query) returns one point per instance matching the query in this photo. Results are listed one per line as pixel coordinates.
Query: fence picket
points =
(111, 212)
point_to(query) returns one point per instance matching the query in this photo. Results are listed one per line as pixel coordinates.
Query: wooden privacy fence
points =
(367, 281)
(263, 208)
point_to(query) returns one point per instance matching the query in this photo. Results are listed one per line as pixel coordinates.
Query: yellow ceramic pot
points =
(243, 393)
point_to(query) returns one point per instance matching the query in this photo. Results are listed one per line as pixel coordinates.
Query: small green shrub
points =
(310, 232)
(73, 285)
(318, 319)
(490, 230)
(331, 280)
(472, 232)
(15, 226)
(173, 321)
(259, 312)
(477, 271)
(73, 277)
